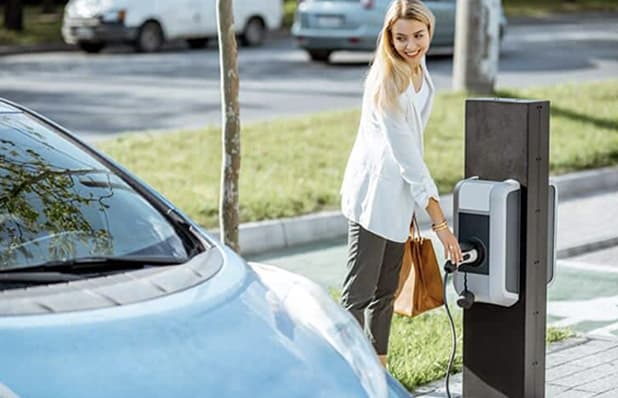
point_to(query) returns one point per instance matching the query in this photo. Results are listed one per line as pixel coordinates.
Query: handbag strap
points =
(415, 229)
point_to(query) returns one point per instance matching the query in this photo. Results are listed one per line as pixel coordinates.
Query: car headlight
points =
(311, 305)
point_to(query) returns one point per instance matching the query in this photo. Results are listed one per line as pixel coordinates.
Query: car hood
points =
(227, 337)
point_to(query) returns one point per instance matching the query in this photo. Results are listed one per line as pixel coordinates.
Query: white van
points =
(147, 24)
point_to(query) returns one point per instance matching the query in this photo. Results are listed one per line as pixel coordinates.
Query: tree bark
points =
(48, 7)
(228, 205)
(14, 15)
(477, 45)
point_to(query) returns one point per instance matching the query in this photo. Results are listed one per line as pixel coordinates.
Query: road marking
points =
(606, 331)
(587, 267)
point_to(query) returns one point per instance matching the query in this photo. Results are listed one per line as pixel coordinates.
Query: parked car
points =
(108, 290)
(147, 24)
(324, 26)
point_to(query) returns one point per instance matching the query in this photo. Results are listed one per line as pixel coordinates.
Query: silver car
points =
(324, 26)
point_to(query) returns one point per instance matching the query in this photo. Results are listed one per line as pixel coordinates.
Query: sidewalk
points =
(580, 367)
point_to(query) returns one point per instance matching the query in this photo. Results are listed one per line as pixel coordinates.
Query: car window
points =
(57, 202)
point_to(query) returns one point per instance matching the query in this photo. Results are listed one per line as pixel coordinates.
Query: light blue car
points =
(107, 290)
(324, 26)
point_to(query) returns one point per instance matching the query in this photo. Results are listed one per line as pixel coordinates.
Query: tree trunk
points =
(228, 205)
(48, 7)
(14, 15)
(477, 44)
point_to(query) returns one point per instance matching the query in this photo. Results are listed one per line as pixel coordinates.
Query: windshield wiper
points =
(97, 264)
(38, 278)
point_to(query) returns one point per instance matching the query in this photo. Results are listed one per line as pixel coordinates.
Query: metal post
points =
(504, 348)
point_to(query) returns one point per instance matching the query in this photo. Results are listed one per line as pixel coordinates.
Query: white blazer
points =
(386, 178)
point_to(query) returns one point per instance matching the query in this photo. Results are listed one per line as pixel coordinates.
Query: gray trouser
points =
(371, 281)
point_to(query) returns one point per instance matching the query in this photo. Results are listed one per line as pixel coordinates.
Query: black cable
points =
(454, 343)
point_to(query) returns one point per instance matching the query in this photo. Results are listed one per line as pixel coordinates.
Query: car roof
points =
(7, 107)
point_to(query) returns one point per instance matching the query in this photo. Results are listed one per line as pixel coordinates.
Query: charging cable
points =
(453, 334)
(470, 256)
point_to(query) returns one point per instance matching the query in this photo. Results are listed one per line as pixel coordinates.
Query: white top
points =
(422, 96)
(386, 177)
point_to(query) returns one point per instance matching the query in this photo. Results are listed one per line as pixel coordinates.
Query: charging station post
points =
(504, 347)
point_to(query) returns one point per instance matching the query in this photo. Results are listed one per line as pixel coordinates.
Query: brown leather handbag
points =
(420, 283)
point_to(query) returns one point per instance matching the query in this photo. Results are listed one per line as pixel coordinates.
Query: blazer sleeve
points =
(403, 141)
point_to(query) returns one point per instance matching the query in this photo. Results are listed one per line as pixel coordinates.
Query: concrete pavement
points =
(580, 367)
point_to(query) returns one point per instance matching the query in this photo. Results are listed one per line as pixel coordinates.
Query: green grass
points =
(295, 166)
(420, 347)
(38, 28)
(535, 8)
(289, 8)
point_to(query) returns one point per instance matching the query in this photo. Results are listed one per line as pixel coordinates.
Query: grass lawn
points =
(295, 166)
(420, 347)
(38, 28)
(535, 8)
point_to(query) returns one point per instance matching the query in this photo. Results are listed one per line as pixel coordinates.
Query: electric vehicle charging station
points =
(503, 219)
(487, 218)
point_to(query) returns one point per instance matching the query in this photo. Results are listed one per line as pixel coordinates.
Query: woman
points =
(386, 178)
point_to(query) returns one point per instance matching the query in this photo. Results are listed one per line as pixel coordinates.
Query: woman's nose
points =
(411, 46)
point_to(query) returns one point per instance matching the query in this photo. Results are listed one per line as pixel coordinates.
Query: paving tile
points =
(557, 359)
(552, 390)
(574, 393)
(598, 358)
(606, 383)
(613, 393)
(586, 376)
(565, 344)
(588, 348)
(561, 371)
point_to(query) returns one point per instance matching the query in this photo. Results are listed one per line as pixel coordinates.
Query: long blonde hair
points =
(389, 74)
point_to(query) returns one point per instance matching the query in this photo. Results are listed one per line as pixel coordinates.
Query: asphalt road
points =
(117, 91)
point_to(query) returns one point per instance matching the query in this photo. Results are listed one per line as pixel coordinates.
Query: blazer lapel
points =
(426, 111)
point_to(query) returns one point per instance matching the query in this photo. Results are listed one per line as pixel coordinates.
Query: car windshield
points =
(59, 203)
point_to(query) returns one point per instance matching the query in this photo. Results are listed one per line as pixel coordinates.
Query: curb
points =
(36, 48)
(264, 236)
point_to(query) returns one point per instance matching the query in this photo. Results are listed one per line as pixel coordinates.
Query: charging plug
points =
(466, 299)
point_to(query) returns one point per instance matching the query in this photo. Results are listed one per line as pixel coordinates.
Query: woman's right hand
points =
(452, 251)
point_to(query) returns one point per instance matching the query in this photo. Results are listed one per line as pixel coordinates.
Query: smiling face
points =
(411, 40)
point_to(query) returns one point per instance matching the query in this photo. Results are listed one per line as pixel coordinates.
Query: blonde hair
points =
(389, 74)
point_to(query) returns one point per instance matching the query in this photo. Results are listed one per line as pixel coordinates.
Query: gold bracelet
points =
(440, 228)
(439, 225)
